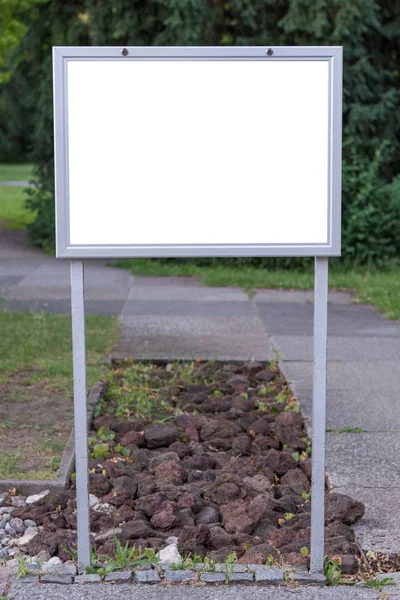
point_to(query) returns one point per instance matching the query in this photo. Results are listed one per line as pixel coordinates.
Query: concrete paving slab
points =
(7, 281)
(379, 529)
(353, 408)
(52, 281)
(342, 349)
(110, 308)
(295, 318)
(224, 592)
(349, 375)
(363, 459)
(304, 297)
(181, 308)
(181, 289)
(223, 338)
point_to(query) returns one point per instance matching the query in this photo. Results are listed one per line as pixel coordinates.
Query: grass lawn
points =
(381, 288)
(13, 213)
(21, 172)
(36, 408)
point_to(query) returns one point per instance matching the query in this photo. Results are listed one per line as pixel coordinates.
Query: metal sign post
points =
(318, 414)
(80, 411)
(190, 129)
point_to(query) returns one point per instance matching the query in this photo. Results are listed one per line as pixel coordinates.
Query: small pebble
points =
(93, 500)
(17, 524)
(3, 498)
(10, 530)
(7, 510)
(30, 523)
(35, 497)
(18, 501)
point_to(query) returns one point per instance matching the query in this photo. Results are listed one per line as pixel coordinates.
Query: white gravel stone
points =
(170, 554)
(93, 500)
(18, 524)
(18, 501)
(35, 497)
(7, 510)
(104, 508)
(42, 557)
(10, 530)
(108, 534)
(51, 564)
(29, 534)
(30, 523)
(3, 498)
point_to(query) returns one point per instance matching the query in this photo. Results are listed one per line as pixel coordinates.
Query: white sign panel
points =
(197, 151)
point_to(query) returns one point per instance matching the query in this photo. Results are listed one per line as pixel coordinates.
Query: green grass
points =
(36, 387)
(381, 288)
(21, 172)
(41, 342)
(12, 208)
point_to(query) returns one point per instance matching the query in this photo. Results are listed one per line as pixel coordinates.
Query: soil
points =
(219, 458)
(36, 420)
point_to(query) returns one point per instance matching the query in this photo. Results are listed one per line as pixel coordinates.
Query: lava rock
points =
(150, 504)
(98, 484)
(166, 517)
(125, 484)
(159, 435)
(257, 555)
(339, 507)
(209, 514)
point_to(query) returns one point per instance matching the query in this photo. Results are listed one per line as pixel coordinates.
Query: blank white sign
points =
(200, 152)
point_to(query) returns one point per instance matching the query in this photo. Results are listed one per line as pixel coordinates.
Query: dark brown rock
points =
(125, 484)
(44, 540)
(192, 501)
(349, 565)
(159, 435)
(339, 507)
(54, 521)
(134, 530)
(135, 438)
(242, 444)
(200, 533)
(296, 477)
(280, 462)
(220, 555)
(257, 555)
(119, 498)
(208, 514)
(166, 517)
(219, 429)
(99, 485)
(172, 472)
(150, 504)
(296, 560)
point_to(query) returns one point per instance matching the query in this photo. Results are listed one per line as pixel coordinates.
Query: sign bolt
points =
(270, 52)
(124, 52)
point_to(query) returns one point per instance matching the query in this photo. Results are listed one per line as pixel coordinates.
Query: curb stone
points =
(212, 577)
(90, 578)
(147, 577)
(308, 578)
(118, 577)
(236, 574)
(179, 576)
(53, 578)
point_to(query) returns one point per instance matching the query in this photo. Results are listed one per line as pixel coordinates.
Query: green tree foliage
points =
(369, 30)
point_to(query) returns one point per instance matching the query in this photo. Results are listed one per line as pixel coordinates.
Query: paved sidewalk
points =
(179, 318)
(132, 592)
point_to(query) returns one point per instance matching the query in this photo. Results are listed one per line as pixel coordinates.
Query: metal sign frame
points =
(61, 58)
(321, 254)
